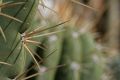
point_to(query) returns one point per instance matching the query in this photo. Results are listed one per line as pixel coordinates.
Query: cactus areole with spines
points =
(16, 16)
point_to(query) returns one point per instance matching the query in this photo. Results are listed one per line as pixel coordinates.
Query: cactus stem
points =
(21, 47)
(12, 51)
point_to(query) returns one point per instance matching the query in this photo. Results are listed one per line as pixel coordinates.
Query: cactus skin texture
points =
(71, 55)
(91, 62)
(83, 59)
(54, 42)
(13, 29)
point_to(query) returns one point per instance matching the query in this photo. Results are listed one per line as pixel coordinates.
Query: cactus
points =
(92, 63)
(83, 60)
(19, 39)
(70, 56)
(53, 42)
(15, 18)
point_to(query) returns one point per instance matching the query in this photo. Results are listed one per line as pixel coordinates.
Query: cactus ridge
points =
(5, 5)
(9, 4)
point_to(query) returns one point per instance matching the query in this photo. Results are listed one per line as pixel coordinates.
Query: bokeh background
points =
(96, 21)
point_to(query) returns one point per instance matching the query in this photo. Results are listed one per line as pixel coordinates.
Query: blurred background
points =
(102, 16)
(90, 44)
